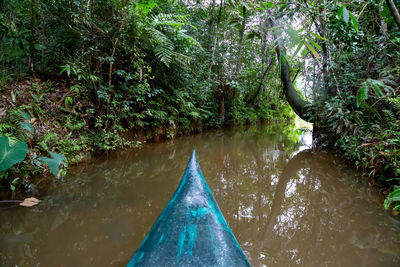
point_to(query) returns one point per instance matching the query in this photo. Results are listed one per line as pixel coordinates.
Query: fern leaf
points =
(362, 94)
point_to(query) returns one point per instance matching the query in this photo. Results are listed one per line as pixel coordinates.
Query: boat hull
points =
(191, 230)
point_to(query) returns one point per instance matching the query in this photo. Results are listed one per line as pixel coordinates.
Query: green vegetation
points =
(359, 114)
(82, 78)
(97, 76)
(12, 152)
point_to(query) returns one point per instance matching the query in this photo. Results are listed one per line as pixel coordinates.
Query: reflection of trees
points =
(314, 220)
(288, 172)
(283, 212)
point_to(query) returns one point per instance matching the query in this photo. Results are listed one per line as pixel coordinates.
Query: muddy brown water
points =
(286, 205)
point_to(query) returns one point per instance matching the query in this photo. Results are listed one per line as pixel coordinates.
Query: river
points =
(285, 204)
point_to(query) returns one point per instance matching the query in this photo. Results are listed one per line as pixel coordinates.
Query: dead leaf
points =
(29, 202)
(366, 144)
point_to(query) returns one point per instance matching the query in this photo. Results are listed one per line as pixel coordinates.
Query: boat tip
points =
(193, 158)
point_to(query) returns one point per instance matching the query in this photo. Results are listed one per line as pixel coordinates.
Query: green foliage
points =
(368, 137)
(121, 71)
(54, 163)
(376, 86)
(74, 123)
(345, 14)
(27, 126)
(111, 140)
(394, 198)
(26, 116)
(48, 141)
(11, 152)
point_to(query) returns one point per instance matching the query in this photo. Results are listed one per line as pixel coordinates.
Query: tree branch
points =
(253, 98)
(298, 104)
(394, 11)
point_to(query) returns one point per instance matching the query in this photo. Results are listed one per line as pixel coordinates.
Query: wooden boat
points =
(191, 230)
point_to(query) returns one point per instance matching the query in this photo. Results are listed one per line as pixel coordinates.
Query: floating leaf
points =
(27, 126)
(54, 163)
(11, 152)
(29, 202)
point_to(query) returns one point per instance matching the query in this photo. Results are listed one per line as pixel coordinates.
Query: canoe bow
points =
(191, 230)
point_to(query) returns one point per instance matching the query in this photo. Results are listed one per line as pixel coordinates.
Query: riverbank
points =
(368, 137)
(65, 121)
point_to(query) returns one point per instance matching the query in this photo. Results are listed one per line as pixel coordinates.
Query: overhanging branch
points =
(298, 104)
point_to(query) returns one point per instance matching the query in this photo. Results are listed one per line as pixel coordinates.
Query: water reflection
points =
(286, 205)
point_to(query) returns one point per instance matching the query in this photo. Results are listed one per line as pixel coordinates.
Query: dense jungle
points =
(84, 80)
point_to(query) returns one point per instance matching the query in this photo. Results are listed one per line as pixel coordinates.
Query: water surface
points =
(285, 204)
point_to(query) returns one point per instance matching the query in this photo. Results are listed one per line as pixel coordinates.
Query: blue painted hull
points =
(191, 230)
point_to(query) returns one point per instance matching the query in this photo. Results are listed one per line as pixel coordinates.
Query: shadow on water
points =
(286, 204)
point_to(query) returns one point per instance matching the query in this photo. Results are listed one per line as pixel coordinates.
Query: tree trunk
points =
(253, 98)
(32, 39)
(87, 8)
(114, 49)
(240, 54)
(394, 11)
(264, 27)
(211, 25)
(321, 28)
(298, 104)
(215, 37)
(221, 92)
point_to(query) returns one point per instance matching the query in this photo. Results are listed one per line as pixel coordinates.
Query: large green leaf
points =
(11, 152)
(54, 162)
